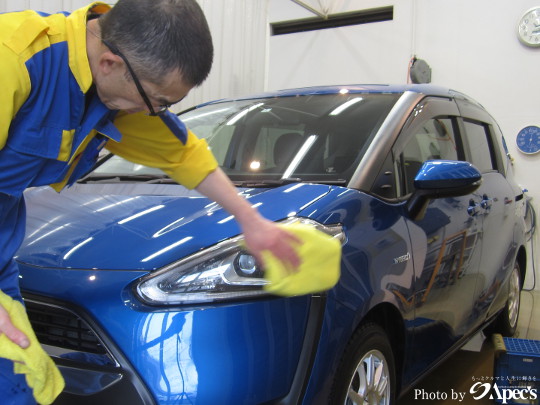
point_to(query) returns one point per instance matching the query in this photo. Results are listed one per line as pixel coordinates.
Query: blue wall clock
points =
(528, 140)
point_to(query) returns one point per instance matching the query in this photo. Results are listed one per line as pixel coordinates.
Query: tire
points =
(366, 374)
(506, 322)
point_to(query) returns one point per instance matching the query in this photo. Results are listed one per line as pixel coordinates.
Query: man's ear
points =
(109, 62)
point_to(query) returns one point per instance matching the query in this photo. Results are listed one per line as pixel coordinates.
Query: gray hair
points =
(159, 36)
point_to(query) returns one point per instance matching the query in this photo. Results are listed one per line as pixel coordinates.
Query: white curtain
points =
(240, 33)
(48, 6)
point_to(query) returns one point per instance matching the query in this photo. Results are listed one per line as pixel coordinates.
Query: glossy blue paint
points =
(166, 347)
(148, 231)
(436, 174)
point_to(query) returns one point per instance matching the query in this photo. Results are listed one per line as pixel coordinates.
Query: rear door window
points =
(480, 146)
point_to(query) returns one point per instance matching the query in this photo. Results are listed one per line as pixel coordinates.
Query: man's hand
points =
(262, 234)
(12, 333)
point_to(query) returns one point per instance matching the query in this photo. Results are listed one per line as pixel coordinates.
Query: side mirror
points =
(440, 179)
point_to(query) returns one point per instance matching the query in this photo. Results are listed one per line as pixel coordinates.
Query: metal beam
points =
(311, 9)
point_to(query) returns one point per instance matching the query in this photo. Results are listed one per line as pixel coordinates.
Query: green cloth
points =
(41, 373)
(319, 269)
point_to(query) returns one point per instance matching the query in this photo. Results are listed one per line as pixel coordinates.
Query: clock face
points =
(528, 140)
(529, 27)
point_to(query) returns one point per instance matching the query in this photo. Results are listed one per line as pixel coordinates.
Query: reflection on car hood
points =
(138, 226)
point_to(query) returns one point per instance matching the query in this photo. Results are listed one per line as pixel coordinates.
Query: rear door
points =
(495, 205)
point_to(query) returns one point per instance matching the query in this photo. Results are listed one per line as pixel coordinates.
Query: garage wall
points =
(470, 45)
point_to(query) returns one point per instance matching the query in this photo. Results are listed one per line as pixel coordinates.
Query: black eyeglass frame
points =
(152, 112)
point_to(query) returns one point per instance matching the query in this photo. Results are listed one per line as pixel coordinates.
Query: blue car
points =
(141, 291)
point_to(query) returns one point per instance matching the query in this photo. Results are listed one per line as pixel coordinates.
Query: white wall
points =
(471, 46)
(356, 54)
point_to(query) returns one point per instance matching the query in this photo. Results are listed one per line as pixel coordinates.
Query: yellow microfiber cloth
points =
(41, 373)
(319, 270)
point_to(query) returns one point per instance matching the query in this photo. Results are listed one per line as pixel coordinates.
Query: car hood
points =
(138, 226)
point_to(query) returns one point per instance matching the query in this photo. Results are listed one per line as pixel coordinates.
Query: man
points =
(72, 84)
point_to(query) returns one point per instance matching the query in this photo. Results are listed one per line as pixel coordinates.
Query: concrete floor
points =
(472, 363)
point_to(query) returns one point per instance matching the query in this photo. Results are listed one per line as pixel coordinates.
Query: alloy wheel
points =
(514, 297)
(370, 383)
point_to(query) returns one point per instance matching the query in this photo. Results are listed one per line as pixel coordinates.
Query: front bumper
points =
(244, 353)
(94, 370)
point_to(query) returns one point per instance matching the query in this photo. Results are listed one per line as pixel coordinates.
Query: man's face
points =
(118, 91)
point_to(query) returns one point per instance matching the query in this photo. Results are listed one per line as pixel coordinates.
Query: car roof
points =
(426, 89)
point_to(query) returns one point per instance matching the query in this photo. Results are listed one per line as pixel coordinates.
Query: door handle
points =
(473, 209)
(486, 202)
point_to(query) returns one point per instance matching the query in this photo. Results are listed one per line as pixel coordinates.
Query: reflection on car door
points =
(447, 239)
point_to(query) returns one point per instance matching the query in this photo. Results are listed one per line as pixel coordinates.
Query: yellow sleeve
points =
(146, 140)
(14, 79)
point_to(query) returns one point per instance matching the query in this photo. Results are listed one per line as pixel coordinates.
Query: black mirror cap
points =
(442, 179)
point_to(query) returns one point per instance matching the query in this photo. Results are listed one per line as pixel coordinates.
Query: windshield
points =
(317, 138)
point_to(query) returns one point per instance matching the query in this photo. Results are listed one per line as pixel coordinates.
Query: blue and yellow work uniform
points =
(52, 127)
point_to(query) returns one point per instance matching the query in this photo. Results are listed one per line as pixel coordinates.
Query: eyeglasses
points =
(152, 111)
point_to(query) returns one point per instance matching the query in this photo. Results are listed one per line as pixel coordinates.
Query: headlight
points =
(219, 273)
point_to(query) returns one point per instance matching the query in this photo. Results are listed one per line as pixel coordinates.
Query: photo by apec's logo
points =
(503, 394)
(526, 392)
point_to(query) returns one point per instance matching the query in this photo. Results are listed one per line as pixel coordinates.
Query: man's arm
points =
(260, 234)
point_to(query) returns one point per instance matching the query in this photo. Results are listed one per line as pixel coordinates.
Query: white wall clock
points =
(528, 29)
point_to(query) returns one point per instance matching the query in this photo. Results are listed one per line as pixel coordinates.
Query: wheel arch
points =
(388, 317)
(521, 259)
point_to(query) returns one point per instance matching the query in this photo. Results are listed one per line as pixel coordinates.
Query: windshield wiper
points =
(267, 182)
(164, 179)
(335, 182)
(118, 178)
(287, 180)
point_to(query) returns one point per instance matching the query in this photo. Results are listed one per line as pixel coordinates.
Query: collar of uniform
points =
(100, 118)
(76, 34)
